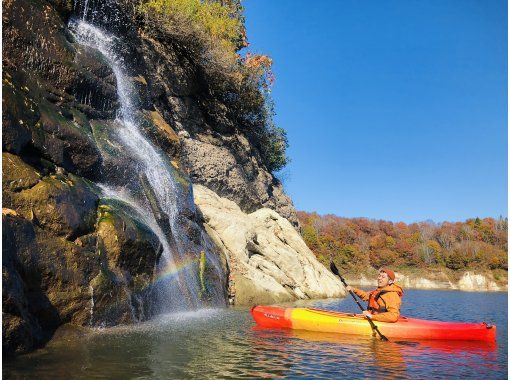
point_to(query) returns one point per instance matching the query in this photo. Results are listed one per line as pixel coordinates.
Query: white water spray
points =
(91, 321)
(182, 290)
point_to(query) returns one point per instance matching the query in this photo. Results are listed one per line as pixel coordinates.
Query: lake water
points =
(224, 343)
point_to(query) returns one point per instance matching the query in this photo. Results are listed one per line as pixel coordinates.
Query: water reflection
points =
(219, 343)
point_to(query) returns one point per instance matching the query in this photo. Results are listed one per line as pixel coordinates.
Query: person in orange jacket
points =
(383, 302)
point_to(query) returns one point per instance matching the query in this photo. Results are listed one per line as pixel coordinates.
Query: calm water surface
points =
(224, 343)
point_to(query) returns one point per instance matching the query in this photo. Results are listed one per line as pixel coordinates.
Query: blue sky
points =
(394, 110)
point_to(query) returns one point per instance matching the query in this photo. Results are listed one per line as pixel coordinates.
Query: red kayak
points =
(343, 323)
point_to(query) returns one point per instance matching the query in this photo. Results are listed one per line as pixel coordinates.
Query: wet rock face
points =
(63, 262)
(129, 251)
(127, 243)
(63, 204)
(35, 40)
(94, 87)
(69, 256)
(19, 116)
(66, 258)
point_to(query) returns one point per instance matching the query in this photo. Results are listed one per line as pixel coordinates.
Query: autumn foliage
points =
(211, 34)
(358, 243)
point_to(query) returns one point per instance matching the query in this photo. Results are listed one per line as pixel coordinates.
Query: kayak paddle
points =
(334, 269)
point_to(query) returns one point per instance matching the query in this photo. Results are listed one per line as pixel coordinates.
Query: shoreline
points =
(368, 287)
(468, 281)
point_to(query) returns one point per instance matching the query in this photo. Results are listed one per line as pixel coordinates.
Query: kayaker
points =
(383, 302)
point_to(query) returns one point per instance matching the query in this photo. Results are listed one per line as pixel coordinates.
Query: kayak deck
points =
(343, 323)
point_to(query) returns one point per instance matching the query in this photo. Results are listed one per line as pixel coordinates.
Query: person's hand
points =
(349, 288)
(367, 314)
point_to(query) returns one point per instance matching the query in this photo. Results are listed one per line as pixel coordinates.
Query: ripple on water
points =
(224, 343)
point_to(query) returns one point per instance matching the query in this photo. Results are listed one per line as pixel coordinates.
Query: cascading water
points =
(178, 283)
(85, 9)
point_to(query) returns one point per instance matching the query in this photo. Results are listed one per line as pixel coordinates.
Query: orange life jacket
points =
(374, 296)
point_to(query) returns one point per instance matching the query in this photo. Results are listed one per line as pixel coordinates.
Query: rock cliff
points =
(268, 260)
(75, 253)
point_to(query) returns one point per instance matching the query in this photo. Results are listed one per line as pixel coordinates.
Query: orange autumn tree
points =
(357, 243)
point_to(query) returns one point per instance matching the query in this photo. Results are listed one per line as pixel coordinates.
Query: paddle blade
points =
(333, 268)
(407, 343)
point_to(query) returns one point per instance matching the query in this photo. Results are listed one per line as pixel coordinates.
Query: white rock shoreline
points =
(469, 282)
(267, 259)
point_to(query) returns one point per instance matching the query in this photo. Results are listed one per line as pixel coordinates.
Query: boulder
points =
(45, 283)
(129, 251)
(63, 204)
(102, 278)
(126, 241)
(268, 260)
(17, 175)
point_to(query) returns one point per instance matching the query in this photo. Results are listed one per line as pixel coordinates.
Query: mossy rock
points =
(63, 204)
(142, 283)
(112, 301)
(16, 174)
(128, 243)
(131, 251)
(117, 164)
(66, 142)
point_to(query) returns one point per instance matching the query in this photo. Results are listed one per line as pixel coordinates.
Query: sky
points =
(394, 110)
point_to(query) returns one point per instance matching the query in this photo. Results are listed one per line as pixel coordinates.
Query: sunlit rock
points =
(268, 260)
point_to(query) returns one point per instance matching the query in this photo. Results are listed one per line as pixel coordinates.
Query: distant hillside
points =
(360, 243)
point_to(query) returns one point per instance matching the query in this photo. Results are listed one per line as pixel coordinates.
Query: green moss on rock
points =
(63, 204)
(126, 240)
(16, 174)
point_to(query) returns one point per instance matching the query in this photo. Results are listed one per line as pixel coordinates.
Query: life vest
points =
(375, 295)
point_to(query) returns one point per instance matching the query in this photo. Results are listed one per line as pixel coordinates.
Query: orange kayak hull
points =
(343, 323)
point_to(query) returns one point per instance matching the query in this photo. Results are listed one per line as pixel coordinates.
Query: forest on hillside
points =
(356, 244)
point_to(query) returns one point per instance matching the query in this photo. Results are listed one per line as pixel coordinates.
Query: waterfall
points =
(85, 10)
(178, 284)
(91, 310)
